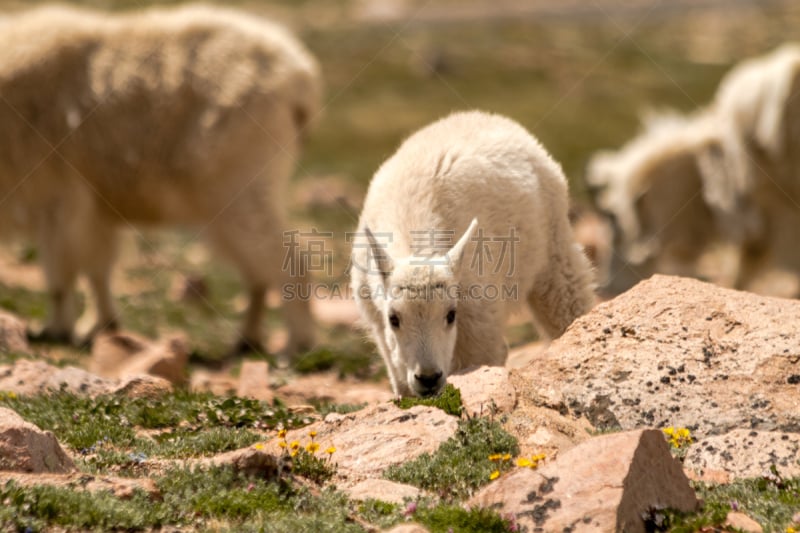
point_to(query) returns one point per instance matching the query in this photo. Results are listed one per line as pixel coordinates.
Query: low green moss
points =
(461, 464)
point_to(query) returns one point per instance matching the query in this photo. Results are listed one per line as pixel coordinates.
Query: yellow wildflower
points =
(507, 457)
(295, 445)
(331, 450)
(312, 434)
(312, 447)
(282, 443)
(494, 475)
(524, 462)
(495, 457)
(293, 453)
(259, 446)
(282, 433)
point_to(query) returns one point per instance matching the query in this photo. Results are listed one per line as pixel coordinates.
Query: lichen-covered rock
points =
(677, 352)
(744, 453)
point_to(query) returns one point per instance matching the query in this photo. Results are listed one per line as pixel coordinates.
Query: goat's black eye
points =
(451, 316)
(394, 320)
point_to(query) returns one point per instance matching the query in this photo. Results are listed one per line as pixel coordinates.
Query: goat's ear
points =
(383, 261)
(456, 254)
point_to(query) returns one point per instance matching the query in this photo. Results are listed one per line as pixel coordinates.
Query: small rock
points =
(26, 448)
(119, 355)
(485, 390)
(143, 386)
(13, 334)
(606, 483)
(383, 490)
(219, 384)
(740, 521)
(111, 351)
(250, 461)
(254, 381)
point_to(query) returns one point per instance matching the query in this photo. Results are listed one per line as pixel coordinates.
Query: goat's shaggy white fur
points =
(418, 261)
(643, 185)
(730, 172)
(187, 116)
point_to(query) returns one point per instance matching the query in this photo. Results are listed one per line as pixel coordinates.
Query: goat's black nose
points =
(429, 381)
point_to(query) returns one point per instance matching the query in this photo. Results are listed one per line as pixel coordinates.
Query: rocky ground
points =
(671, 352)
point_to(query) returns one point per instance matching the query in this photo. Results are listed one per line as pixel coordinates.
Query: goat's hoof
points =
(50, 336)
(245, 347)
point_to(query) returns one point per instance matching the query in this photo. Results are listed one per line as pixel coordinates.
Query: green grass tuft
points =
(446, 518)
(461, 464)
(771, 500)
(449, 401)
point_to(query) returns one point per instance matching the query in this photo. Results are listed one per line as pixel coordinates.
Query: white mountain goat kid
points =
(190, 116)
(466, 219)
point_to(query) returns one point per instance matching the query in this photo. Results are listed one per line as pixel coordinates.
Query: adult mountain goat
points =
(728, 173)
(466, 219)
(190, 116)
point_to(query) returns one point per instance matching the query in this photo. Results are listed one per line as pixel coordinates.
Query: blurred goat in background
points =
(189, 116)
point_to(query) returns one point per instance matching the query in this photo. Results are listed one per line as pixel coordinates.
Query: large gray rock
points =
(677, 352)
(26, 448)
(606, 483)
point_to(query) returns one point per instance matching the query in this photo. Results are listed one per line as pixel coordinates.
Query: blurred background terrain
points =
(577, 74)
